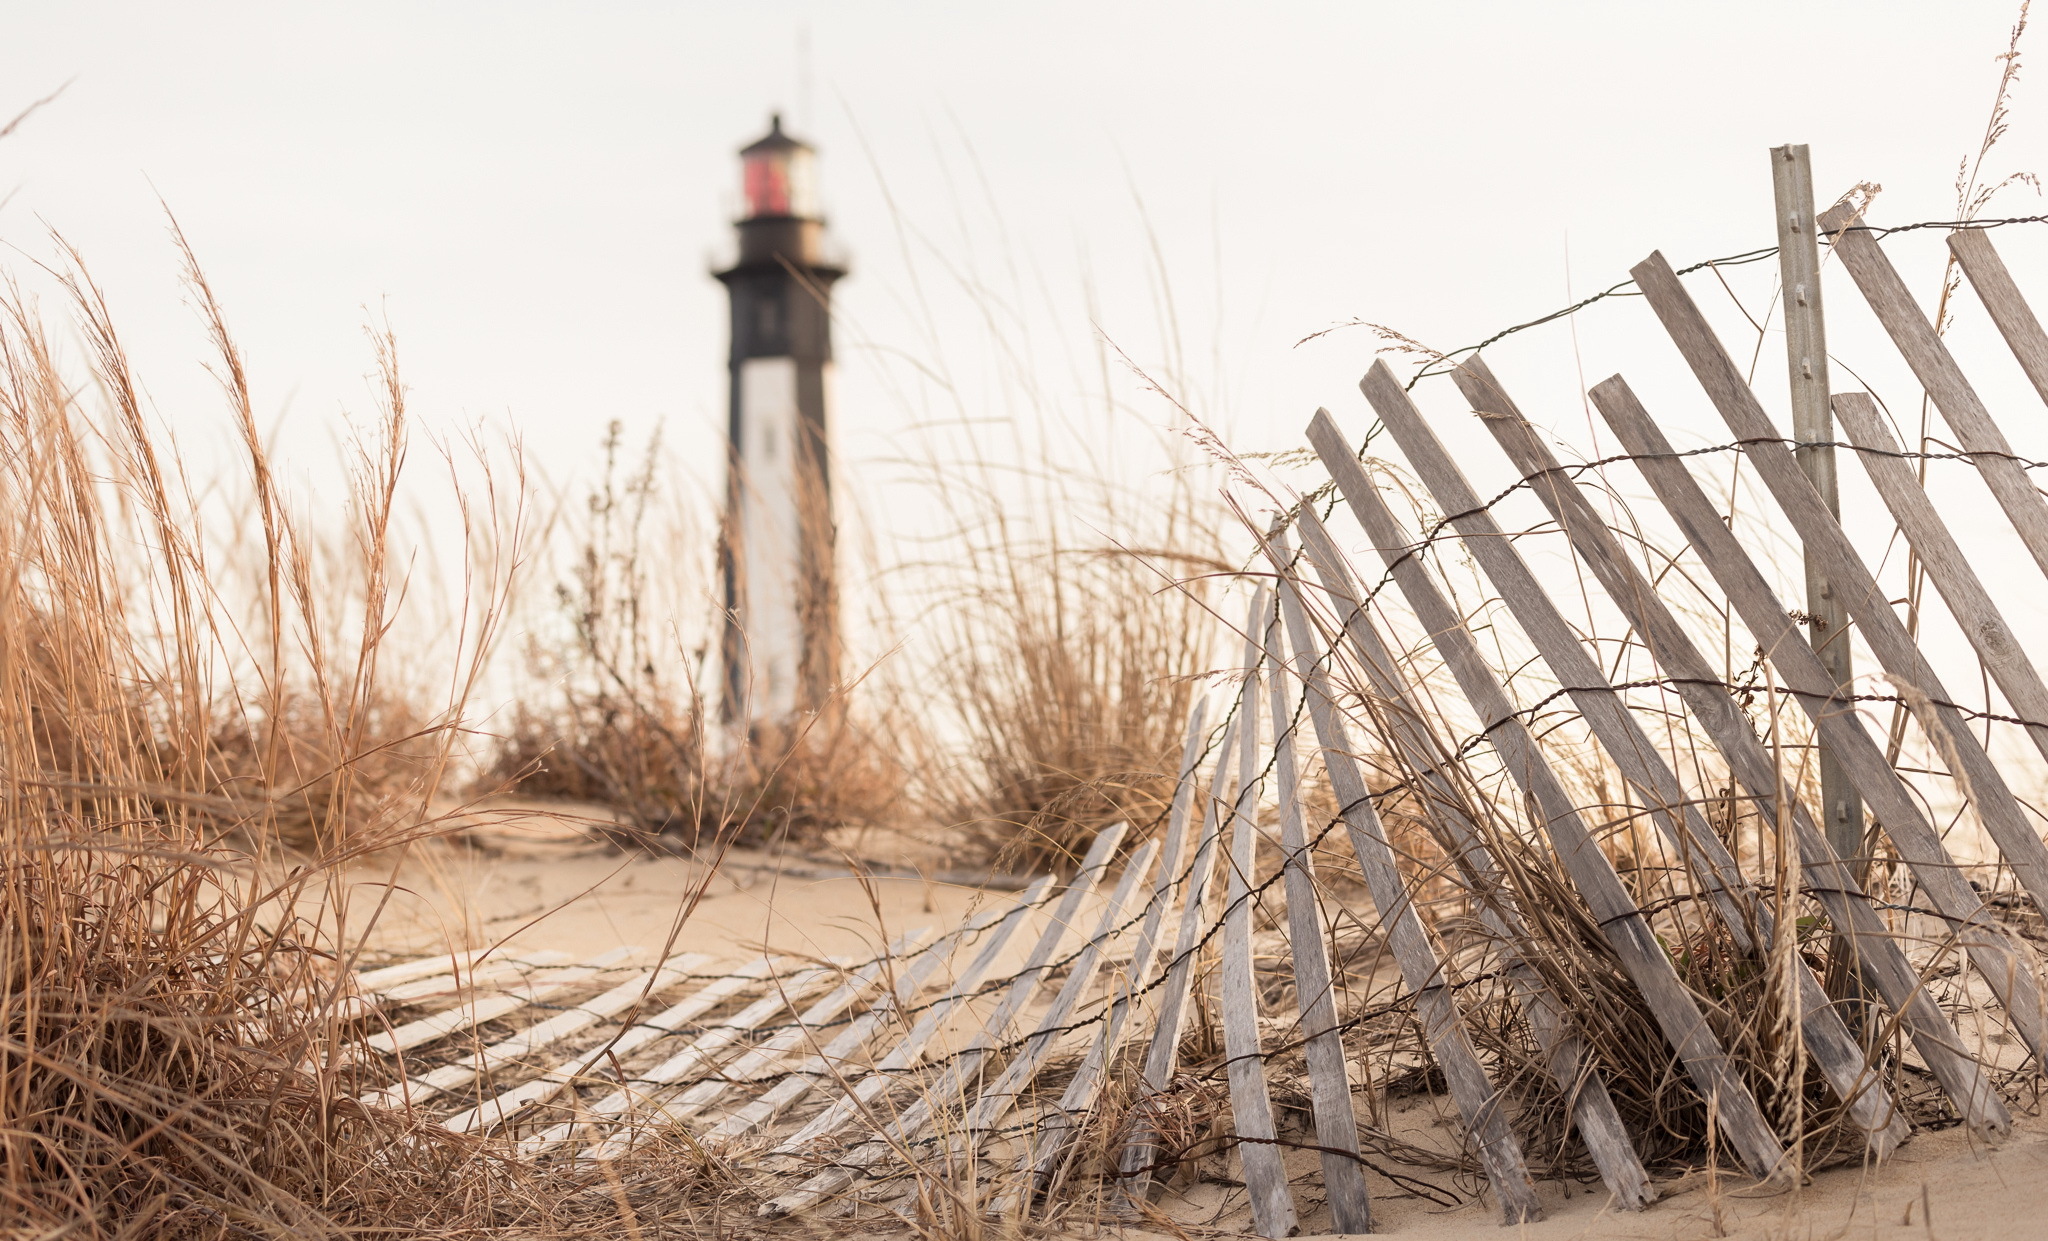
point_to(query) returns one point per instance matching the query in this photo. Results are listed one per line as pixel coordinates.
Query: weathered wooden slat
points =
(1044, 1149)
(1976, 614)
(1023, 986)
(1321, 1034)
(510, 1103)
(1251, 1106)
(1578, 1080)
(940, 1096)
(1478, 1102)
(1636, 947)
(848, 1042)
(476, 1010)
(2006, 965)
(1693, 676)
(701, 1055)
(374, 983)
(1162, 1054)
(1676, 814)
(542, 1034)
(2001, 297)
(433, 980)
(759, 1058)
(1000, 1096)
(1932, 364)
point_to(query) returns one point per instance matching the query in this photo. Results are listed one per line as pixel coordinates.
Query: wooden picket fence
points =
(840, 1083)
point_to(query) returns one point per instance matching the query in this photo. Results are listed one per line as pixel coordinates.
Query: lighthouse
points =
(781, 643)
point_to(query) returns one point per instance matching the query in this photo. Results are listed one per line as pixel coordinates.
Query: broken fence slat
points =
(1622, 922)
(1723, 721)
(1675, 813)
(1479, 1101)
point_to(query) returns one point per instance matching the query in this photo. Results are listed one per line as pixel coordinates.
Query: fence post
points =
(1806, 356)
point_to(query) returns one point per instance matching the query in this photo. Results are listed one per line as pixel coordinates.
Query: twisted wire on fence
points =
(1444, 362)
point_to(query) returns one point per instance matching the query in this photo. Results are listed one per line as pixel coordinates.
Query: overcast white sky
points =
(533, 193)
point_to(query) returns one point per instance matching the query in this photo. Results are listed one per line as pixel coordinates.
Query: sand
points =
(537, 881)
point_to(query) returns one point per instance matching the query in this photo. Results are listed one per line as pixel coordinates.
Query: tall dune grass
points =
(186, 769)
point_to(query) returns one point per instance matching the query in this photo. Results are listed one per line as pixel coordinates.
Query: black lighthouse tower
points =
(781, 645)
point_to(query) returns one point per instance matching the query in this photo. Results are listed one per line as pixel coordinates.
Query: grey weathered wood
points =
(434, 980)
(377, 981)
(2001, 297)
(1000, 1096)
(1806, 360)
(1321, 1034)
(2004, 819)
(2006, 965)
(1936, 369)
(1479, 1103)
(1676, 814)
(510, 1103)
(1636, 947)
(1694, 678)
(954, 1081)
(939, 1098)
(1043, 1152)
(910, 1049)
(1251, 1106)
(1578, 1081)
(2003, 653)
(476, 1010)
(700, 1055)
(1162, 1054)
(848, 1042)
(761, 1057)
(541, 1034)
(1834, 1050)
(996, 1100)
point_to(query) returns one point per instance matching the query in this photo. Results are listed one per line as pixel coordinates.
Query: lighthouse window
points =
(768, 317)
(767, 176)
